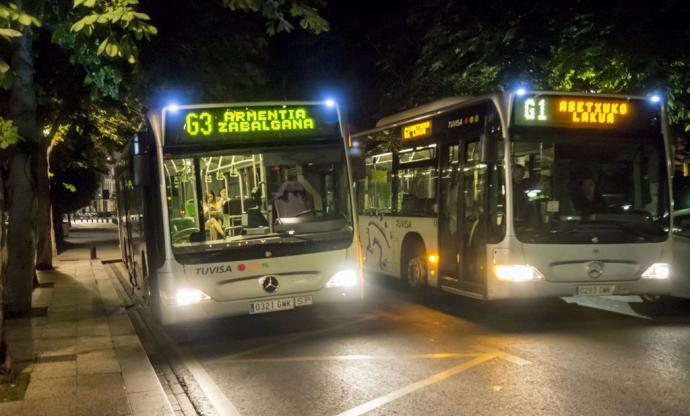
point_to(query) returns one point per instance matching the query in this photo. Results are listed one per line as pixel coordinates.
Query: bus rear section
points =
(257, 210)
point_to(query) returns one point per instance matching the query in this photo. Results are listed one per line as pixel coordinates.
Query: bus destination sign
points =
(235, 125)
(232, 120)
(417, 130)
(571, 111)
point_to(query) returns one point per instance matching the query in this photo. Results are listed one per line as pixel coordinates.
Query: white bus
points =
(520, 195)
(243, 208)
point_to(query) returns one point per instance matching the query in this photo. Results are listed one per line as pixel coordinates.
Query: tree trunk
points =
(22, 185)
(6, 373)
(44, 255)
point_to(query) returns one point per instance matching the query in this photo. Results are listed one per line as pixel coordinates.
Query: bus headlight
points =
(517, 273)
(657, 271)
(188, 296)
(344, 278)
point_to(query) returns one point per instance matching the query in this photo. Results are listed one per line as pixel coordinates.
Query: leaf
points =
(102, 47)
(4, 66)
(9, 33)
(77, 26)
(90, 3)
(112, 49)
(77, 3)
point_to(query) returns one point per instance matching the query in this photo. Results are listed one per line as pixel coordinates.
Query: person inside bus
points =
(520, 198)
(588, 201)
(212, 211)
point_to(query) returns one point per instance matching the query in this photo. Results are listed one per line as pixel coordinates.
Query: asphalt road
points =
(400, 354)
(403, 354)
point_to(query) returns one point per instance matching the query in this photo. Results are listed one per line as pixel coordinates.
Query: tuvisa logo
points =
(228, 268)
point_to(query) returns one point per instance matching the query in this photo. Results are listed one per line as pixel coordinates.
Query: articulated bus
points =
(520, 195)
(244, 208)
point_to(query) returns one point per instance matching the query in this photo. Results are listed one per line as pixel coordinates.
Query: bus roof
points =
(423, 109)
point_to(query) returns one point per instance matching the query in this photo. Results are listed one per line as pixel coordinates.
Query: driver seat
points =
(291, 200)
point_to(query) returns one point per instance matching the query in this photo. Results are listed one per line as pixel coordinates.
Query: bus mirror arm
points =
(141, 172)
(487, 148)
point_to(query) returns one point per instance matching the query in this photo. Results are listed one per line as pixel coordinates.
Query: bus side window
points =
(377, 188)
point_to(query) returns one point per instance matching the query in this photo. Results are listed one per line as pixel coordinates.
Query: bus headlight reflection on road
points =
(657, 271)
(187, 296)
(517, 273)
(344, 278)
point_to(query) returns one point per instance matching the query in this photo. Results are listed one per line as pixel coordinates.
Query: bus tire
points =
(415, 268)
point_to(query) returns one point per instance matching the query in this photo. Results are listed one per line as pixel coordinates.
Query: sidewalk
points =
(82, 357)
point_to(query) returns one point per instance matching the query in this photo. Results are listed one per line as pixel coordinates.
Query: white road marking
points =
(512, 358)
(380, 401)
(218, 399)
(353, 357)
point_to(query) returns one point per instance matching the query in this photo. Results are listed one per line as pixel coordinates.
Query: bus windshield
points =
(583, 190)
(230, 200)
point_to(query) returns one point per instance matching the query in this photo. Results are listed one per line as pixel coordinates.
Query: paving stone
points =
(23, 350)
(59, 330)
(56, 346)
(61, 308)
(112, 383)
(121, 325)
(11, 408)
(90, 344)
(99, 330)
(65, 405)
(44, 370)
(23, 333)
(148, 404)
(125, 341)
(96, 403)
(51, 387)
(97, 362)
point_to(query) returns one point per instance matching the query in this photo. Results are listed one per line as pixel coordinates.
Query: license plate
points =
(282, 304)
(595, 290)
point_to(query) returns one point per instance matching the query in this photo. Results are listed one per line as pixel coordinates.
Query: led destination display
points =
(237, 125)
(571, 111)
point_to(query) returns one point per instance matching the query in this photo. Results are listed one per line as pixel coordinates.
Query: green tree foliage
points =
(474, 47)
(12, 22)
(117, 25)
(278, 13)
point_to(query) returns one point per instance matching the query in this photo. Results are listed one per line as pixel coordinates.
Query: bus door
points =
(461, 227)
(448, 231)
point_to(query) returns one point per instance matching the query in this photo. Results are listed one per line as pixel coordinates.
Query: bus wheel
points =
(416, 272)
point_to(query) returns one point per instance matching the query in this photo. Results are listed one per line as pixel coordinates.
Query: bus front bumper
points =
(546, 289)
(175, 314)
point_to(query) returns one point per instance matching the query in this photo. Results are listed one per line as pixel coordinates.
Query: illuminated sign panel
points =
(587, 112)
(417, 130)
(236, 125)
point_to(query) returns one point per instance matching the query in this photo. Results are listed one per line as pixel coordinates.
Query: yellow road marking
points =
(380, 401)
(352, 357)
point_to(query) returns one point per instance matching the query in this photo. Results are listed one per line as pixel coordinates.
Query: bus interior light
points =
(343, 278)
(657, 271)
(432, 258)
(188, 296)
(517, 273)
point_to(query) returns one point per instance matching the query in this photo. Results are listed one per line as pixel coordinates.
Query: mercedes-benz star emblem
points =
(270, 284)
(595, 269)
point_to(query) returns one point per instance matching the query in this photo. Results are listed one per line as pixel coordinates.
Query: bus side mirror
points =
(487, 149)
(141, 174)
